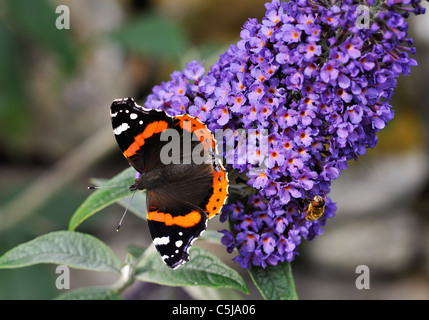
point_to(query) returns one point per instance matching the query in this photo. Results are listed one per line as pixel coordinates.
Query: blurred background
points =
(56, 87)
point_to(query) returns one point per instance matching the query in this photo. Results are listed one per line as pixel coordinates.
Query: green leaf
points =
(275, 282)
(102, 198)
(154, 35)
(74, 249)
(135, 251)
(90, 293)
(203, 269)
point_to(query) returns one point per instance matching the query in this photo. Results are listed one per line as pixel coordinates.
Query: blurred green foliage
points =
(28, 35)
(34, 282)
(154, 35)
(13, 110)
(35, 21)
(24, 24)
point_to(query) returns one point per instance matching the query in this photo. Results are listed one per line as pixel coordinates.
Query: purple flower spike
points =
(309, 89)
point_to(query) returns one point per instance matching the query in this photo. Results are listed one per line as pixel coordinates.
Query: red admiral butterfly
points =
(186, 183)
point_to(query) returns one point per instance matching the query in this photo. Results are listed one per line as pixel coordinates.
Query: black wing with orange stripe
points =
(174, 231)
(218, 194)
(186, 184)
(137, 131)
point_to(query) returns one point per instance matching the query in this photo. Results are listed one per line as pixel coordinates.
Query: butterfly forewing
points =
(137, 132)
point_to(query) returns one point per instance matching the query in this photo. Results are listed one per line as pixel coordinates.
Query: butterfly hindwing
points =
(220, 190)
(218, 194)
(173, 232)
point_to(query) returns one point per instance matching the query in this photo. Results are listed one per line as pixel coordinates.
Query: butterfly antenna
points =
(105, 187)
(126, 210)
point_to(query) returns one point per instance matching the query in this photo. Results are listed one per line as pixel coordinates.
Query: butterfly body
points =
(186, 184)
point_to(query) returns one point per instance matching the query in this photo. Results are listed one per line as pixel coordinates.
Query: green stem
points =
(126, 279)
(127, 274)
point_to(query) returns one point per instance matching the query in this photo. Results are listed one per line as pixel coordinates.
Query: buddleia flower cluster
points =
(312, 82)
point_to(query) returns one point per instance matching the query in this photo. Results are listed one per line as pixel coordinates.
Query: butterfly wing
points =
(194, 191)
(137, 131)
(198, 177)
(174, 231)
(217, 192)
(217, 198)
(189, 188)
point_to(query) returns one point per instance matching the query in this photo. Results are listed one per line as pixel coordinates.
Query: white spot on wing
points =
(161, 241)
(179, 243)
(123, 127)
(133, 116)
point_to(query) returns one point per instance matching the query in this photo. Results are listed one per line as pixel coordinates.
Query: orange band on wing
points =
(220, 193)
(139, 140)
(188, 123)
(186, 221)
